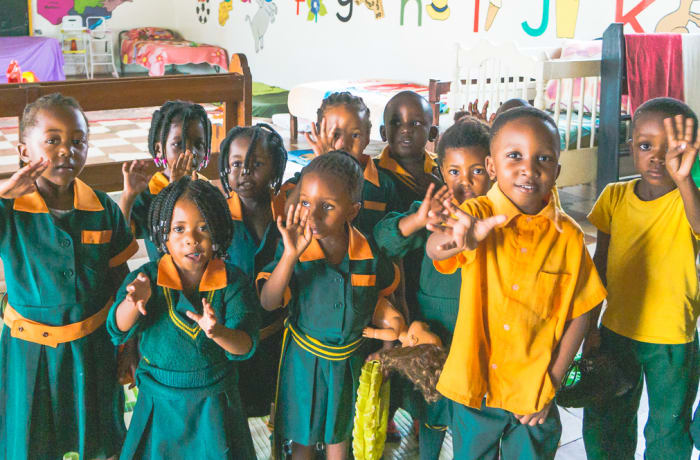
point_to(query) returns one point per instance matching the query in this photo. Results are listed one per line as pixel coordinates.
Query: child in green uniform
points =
(648, 232)
(251, 167)
(179, 141)
(330, 277)
(343, 124)
(461, 155)
(64, 247)
(194, 315)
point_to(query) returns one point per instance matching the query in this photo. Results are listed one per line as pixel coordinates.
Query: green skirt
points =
(257, 376)
(58, 400)
(316, 398)
(184, 423)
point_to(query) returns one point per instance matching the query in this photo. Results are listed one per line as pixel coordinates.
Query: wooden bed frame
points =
(234, 89)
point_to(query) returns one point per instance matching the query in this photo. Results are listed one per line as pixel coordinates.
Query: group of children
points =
(263, 299)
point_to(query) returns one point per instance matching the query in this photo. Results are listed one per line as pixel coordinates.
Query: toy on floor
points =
(15, 74)
(391, 326)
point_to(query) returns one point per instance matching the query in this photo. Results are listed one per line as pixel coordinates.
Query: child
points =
(179, 141)
(65, 247)
(343, 124)
(331, 277)
(647, 238)
(194, 315)
(251, 167)
(462, 152)
(528, 285)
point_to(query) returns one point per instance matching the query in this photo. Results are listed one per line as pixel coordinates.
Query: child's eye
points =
(328, 206)
(236, 164)
(453, 172)
(513, 155)
(53, 140)
(478, 171)
(644, 146)
(204, 229)
(356, 135)
(417, 123)
(78, 141)
(178, 229)
(544, 158)
(305, 203)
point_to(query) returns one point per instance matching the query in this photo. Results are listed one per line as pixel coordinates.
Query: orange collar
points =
(371, 173)
(214, 276)
(84, 199)
(159, 181)
(388, 163)
(503, 205)
(358, 248)
(276, 204)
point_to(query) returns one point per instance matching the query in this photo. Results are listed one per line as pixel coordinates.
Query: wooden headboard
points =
(234, 89)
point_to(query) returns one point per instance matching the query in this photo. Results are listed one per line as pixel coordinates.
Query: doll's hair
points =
(517, 113)
(173, 112)
(48, 102)
(421, 365)
(341, 165)
(270, 140)
(668, 107)
(347, 99)
(209, 201)
(467, 132)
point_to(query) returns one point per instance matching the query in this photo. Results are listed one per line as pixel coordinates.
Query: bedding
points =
(269, 100)
(154, 48)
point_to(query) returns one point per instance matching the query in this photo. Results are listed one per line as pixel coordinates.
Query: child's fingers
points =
(484, 108)
(297, 214)
(689, 129)
(193, 316)
(448, 246)
(141, 306)
(307, 231)
(125, 169)
(206, 308)
(429, 192)
(280, 225)
(670, 129)
(678, 119)
(290, 215)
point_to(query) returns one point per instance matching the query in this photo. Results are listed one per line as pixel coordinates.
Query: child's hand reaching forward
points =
(207, 320)
(135, 177)
(139, 291)
(23, 181)
(466, 231)
(681, 152)
(296, 231)
(432, 202)
(184, 166)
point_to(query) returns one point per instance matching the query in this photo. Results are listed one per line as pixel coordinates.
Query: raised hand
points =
(135, 177)
(681, 152)
(184, 166)
(322, 140)
(466, 231)
(139, 291)
(473, 110)
(295, 230)
(207, 320)
(23, 181)
(432, 201)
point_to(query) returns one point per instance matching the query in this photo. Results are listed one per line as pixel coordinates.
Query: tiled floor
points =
(122, 135)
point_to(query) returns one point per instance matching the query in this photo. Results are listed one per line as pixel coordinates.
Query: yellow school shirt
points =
(651, 276)
(522, 284)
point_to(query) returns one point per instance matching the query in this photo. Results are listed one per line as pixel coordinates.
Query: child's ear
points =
(158, 149)
(491, 168)
(354, 211)
(382, 132)
(433, 133)
(22, 151)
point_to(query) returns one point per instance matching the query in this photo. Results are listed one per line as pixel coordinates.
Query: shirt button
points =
(68, 273)
(337, 305)
(506, 327)
(493, 366)
(523, 250)
(65, 243)
(516, 287)
(45, 334)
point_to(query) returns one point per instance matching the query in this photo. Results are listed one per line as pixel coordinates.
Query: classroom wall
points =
(346, 39)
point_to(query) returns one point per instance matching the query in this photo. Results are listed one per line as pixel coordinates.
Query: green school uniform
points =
(188, 404)
(65, 398)
(323, 351)
(258, 375)
(379, 197)
(438, 302)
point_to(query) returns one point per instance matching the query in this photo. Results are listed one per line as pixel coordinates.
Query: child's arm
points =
(600, 259)
(680, 157)
(460, 233)
(296, 236)
(431, 202)
(130, 310)
(135, 181)
(235, 341)
(22, 182)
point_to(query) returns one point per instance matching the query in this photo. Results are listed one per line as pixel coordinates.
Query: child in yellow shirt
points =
(646, 248)
(528, 285)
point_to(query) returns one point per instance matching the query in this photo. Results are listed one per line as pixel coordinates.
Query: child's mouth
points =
(195, 257)
(526, 188)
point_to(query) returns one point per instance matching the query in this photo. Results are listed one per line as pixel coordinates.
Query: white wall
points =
(296, 50)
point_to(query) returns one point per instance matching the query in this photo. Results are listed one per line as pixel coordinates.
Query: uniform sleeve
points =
(118, 336)
(589, 290)
(388, 275)
(389, 238)
(139, 215)
(601, 214)
(5, 209)
(242, 312)
(265, 273)
(122, 244)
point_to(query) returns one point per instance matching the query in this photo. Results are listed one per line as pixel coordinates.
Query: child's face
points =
(189, 241)
(524, 161)
(60, 135)
(328, 202)
(350, 128)
(464, 171)
(196, 143)
(253, 182)
(407, 127)
(649, 147)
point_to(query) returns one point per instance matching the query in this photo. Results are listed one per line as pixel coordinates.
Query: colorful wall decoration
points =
(54, 10)
(677, 21)
(374, 5)
(261, 20)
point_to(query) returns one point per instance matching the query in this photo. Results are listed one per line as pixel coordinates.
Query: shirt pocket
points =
(548, 289)
(95, 248)
(96, 236)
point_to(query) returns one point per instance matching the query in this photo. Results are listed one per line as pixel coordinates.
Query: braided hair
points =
(210, 203)
(272, 143)
(174, 111)
(347, 99)
(341, 165)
